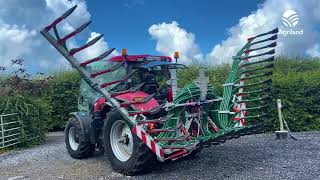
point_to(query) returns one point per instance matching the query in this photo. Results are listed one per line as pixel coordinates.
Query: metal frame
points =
(12, 136)
(12, 141)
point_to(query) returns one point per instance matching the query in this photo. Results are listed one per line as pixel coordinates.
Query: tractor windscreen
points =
(161, 69)
(89, 95)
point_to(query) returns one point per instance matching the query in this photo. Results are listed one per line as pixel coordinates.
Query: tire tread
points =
(85, 149)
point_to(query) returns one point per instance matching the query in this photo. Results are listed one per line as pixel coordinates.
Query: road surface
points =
(249, 157)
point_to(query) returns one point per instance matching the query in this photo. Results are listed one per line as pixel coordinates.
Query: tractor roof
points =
(142, 57)
(163, 63)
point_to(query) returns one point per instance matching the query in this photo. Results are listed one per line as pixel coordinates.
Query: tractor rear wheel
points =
(126, 152)
(76, 146)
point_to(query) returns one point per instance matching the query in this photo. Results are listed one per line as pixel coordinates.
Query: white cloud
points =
(97, 49)
(44, 64)
(170, 38)
(267, 17)
(11, 38)
(79, 16)
(314, 51)
(21, 21)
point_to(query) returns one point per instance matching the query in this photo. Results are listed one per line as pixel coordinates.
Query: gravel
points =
(249, 157)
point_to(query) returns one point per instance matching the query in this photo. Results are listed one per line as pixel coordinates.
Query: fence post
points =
(279, 105)
(39, 139)
(282, 134)
(2, 129)
(23, 137)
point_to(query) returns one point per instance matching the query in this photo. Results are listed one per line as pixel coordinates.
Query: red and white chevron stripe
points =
(239, 107)
(149, 141)
(241, 115)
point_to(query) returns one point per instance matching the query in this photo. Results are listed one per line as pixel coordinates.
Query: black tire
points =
(85, 149)
(142, 159)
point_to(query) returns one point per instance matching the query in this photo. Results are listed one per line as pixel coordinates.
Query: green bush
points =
(42, 102)
(62, 94)
(33, 113)
(54, 97)
(299, 92)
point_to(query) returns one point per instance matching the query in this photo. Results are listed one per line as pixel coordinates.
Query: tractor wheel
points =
(76, 146)
(127, 153)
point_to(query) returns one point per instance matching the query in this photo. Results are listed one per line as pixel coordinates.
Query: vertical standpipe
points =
(202, 82)
(173, 76)
(174, 82)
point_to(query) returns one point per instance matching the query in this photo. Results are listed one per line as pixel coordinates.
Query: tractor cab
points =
(157, 79)
(152, 74)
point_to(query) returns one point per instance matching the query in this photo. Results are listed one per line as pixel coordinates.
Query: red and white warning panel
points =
(149, 141)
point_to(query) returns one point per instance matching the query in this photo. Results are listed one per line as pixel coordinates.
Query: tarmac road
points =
(249, 157)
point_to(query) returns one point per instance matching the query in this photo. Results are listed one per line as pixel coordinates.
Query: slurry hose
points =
(189, 92)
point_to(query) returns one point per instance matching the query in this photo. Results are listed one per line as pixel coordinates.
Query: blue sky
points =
(206, 30)
(125, 23)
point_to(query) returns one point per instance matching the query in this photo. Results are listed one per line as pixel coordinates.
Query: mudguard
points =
(130, 97)
(85, 121)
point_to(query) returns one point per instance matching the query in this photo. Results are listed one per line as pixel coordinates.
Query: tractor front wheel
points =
(126, 152)
(75, 143)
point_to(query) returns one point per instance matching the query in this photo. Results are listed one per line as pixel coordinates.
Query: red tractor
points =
(131, 107)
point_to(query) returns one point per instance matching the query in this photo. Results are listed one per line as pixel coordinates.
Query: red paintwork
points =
(141, 107)
(177, 154)
(134, 58)
(169, 94)
(99, 104)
